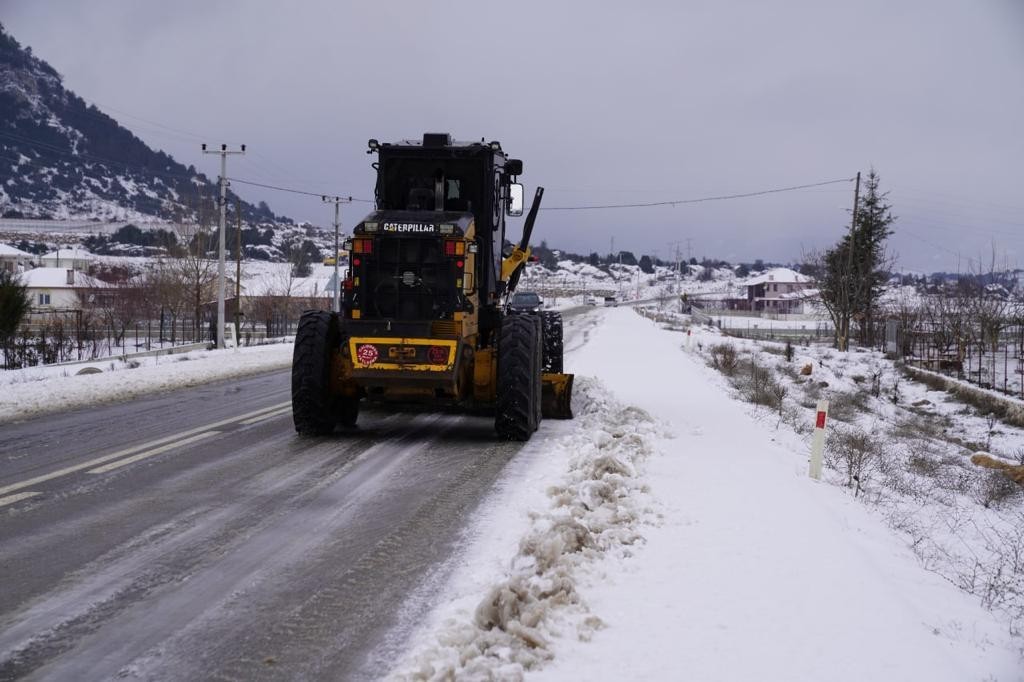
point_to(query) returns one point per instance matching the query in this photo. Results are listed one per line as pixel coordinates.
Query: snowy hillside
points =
(63, 159)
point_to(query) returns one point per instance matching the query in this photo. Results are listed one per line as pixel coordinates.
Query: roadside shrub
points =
(876, 382)
(811, 396)
(855, 453)
(916, 426)
(995, 489)
(921, 463)
(846, 407)
(758, 385)
(791, 372)
(759, 389)
(724, 358)
(797, 419)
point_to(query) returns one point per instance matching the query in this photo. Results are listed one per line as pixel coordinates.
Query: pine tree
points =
(871, 229)
(853, 271)
(14, 306)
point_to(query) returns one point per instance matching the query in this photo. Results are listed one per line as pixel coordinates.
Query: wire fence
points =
(68, 336)
(994, 362)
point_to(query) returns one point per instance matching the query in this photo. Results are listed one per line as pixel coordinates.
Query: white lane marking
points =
(149, 453)
(269, 415)
(11, 499)
(127, 451)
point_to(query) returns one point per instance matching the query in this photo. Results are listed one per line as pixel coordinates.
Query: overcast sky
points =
(605, 103)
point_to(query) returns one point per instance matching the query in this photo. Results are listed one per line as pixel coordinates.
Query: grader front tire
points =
(518, 378)
(553, 349)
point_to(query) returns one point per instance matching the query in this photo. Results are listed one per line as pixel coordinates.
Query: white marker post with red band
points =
(818, 442)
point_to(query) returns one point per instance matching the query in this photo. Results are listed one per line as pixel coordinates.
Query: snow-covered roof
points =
(778, 275)
(57, 278)
(800, 294)
(68, 253)
(6, 250)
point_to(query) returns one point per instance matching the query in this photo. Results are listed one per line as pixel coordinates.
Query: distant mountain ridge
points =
(63, 159)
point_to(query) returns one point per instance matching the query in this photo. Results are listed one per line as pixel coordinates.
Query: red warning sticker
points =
(366, 354)
(819, 423)
(437, 355)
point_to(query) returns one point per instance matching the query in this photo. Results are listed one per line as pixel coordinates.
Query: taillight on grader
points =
(454, 247)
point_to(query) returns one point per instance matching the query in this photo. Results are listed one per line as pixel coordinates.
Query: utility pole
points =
(678, 256)
(238, 274)
(223, 151)
(844, 333)
(336, 293)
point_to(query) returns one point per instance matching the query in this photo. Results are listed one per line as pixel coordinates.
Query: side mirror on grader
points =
(515, 199)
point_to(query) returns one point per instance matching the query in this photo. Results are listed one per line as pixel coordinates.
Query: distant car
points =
(610, 300)
(590, 300)
(526, 302)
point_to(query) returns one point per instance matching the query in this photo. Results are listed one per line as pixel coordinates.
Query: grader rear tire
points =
(347, 411)
(314, 411)
(518, 399)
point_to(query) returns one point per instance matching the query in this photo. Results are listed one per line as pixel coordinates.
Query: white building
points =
(14, 260)
(77, 259)
(59, 288)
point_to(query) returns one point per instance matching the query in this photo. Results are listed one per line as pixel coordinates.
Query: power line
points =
(700, 200)
(970, 261)
(84, 156)
(963, 229)
(293, 191)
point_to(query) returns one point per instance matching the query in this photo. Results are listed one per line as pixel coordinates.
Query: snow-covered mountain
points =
(61, 158)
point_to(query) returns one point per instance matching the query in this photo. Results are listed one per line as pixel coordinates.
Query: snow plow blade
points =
(556, 396)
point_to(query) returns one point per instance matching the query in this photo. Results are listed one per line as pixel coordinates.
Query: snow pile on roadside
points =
(35, 391)
(596, 511)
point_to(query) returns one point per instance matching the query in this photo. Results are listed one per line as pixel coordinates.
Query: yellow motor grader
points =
(424, 317)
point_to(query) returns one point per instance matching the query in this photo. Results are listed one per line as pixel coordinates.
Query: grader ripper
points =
(424, 316)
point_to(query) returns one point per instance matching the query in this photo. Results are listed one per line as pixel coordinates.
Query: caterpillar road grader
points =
(424, 315)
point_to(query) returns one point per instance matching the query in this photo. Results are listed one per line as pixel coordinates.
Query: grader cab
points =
(424, 316)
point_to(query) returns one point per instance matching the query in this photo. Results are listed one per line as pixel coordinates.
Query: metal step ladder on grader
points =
(424, 316)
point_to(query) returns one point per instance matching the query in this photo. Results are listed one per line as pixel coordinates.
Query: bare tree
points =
(166, 285)
(991, 311)
(195, 268)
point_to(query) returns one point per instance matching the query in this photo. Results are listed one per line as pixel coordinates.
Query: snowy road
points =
(194, 535)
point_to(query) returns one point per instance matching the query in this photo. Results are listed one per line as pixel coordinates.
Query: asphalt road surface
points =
(194, 535)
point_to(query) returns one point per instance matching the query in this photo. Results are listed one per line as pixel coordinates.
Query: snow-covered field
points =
(40, 390)
(673, 533)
